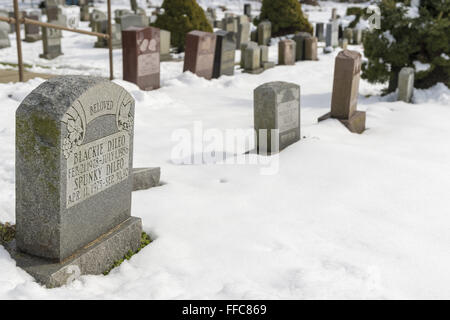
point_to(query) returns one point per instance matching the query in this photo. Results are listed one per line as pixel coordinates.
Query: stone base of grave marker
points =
(146, 178)
(95, 258)
(32, 38)
(268, 65)
(355, 124)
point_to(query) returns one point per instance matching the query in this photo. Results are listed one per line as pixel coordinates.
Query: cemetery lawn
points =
(344, 216)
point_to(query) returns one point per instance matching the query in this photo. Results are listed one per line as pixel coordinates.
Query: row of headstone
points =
(306, 47)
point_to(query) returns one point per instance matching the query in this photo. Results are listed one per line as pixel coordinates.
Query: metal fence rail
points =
(18, 21)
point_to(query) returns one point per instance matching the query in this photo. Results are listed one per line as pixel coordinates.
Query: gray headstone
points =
(264, 54)
(134, 20)
(225, 54)
(264, 33)
(229, 24)
(84, 12)
(165, 45)
(97, 15)
(276, 110)
(286, 52)
(51, 40)
(32, 31)
(405, 84)
(332, 36)
(4, 26)
(343, 43)
(357, 36)
(299, 39)
(252, 59)
(320, 34)
(102, 27)
(243, 34)
(146, 178)
(243, 47)
(348, 34)
(74, 154)
(4, 39)
(334, 14)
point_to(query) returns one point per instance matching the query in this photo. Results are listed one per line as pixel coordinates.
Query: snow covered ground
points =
(346, 215)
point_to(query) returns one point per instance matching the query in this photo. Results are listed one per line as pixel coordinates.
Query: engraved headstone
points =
(140, 57)
(276, 114)
(74, 158)
(344, 98)
(199, 54)
(165, 45)
(286, 52)
(32, 31)
(12, 26)
(224, 54)
(229, 24)
(320, 31)
(51, 40)
(311, 48)
(264, 33)
(252, 59)
(299, 39)
(405, 84)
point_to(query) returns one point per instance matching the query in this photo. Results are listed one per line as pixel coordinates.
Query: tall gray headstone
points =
(332, 35)
(357, 36)
(320, 31)
(32, 31)
(243, 34)
(276, 114)
(264, 33)
(165, 45)
(225, 53)
(299, 39)
(51, 40)
(405, 84)
(74, 159)
(311, 49)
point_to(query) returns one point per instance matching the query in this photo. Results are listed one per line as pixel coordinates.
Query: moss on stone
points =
(145, 241)
(7, 232)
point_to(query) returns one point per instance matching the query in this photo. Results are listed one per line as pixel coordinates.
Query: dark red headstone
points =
(141, 57)
(199, 53)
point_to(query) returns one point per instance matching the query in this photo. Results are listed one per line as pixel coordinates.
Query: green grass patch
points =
(7, 232)
(145, 241)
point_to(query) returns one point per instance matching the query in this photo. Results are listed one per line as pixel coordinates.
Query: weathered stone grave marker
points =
(277, 110)
(102, 27)
(405, 84)
(286, 52)
(4, 30)
(320, 31)
(199, 53)
(243, 34)
(252, 59)
(32, 31)
(225, 54)
(134, 20)
(165, 45)
(74, 159)
(264, 33)
(299, 39)
(344, 99)
(311, 48)
(332, 36)
(141, 52)
(51, 40)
